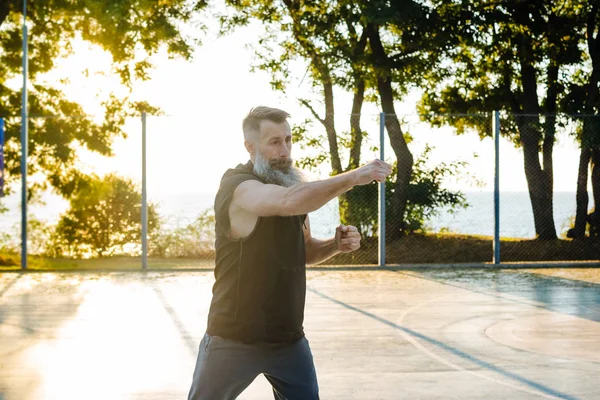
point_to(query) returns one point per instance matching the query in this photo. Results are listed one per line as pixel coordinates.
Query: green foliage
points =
(131, 31)
(8, 259)
(6, 242)
(517, 57)
(512, 56)
(327, 40)
(195, 240)
(426, 196)
(39, 234)
(317, 33)
(376, 50)
(312, 145)
(104, 219)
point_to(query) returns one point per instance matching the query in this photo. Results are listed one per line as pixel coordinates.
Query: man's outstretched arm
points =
(266, 200)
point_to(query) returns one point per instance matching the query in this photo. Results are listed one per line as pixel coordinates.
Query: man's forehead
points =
(269, 129)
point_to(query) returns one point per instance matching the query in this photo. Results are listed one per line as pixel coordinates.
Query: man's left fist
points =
(347, 238)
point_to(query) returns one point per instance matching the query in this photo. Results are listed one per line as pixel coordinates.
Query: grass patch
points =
(132, 263)
(440, 248)
(12, 262)
(8, 260)
(455, 248)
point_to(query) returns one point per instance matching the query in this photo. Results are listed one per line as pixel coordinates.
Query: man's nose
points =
(284, 152)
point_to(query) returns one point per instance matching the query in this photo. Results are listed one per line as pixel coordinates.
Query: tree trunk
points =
(336, 164)
(346, 206)
(324, 77)
(540, 193)
(547, 229)
(539, 182)
(395, 217)
(328, 121)
(319, 63)
(356, 134)
(395, 225)
(589, 140)
(582, 198)
(595, 176)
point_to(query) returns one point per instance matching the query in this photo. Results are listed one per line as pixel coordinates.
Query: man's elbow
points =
(311, 261)
(314, 257)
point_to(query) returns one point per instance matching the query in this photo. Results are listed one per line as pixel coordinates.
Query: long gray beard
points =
(281, 174)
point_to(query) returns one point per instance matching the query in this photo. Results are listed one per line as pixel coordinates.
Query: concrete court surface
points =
(418, 334)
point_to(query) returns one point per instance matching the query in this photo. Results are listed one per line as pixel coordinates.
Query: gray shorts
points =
(226, 367)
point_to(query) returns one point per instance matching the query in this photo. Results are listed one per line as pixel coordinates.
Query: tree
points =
(328, 38)
(583, 99)
(512, 57)
(131, 31)
(398, 64)
(425, 196)
(367, 48)
(104, 216)
(195, 240)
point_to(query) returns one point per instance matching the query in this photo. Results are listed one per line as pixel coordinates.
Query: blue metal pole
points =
(496, 128)
(144, 198)
(24, 150)
(381, 220)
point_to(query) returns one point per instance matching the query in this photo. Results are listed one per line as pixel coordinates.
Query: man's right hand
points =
(376, 170)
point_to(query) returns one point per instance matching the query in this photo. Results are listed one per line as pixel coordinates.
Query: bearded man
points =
(263, 244)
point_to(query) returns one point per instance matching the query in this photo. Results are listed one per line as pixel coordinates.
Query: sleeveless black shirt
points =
(260, 288)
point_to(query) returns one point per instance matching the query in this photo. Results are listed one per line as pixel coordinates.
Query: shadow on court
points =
(563, 295)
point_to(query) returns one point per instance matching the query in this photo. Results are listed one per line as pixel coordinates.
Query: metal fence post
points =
(381, 219)
(144, 198)
(24, 148)
(496, 129)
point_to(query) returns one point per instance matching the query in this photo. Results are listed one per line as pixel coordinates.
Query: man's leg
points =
(224, 369)
(291, 372)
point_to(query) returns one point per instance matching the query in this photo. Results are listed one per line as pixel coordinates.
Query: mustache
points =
(280, 163)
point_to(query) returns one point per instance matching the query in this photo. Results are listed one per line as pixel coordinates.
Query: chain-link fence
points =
(540, 200)
(438, 203)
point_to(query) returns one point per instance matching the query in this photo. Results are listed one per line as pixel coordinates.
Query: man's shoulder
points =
(234, 176)
(239, 169)
(229, 182)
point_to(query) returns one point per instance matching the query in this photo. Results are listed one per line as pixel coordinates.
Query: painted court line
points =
(539, 389)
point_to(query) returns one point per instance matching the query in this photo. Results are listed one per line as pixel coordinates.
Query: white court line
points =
(412, 340)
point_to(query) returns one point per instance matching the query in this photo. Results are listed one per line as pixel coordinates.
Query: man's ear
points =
(250, 147)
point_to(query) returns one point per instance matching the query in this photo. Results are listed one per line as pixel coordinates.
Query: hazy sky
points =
(206, 99)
